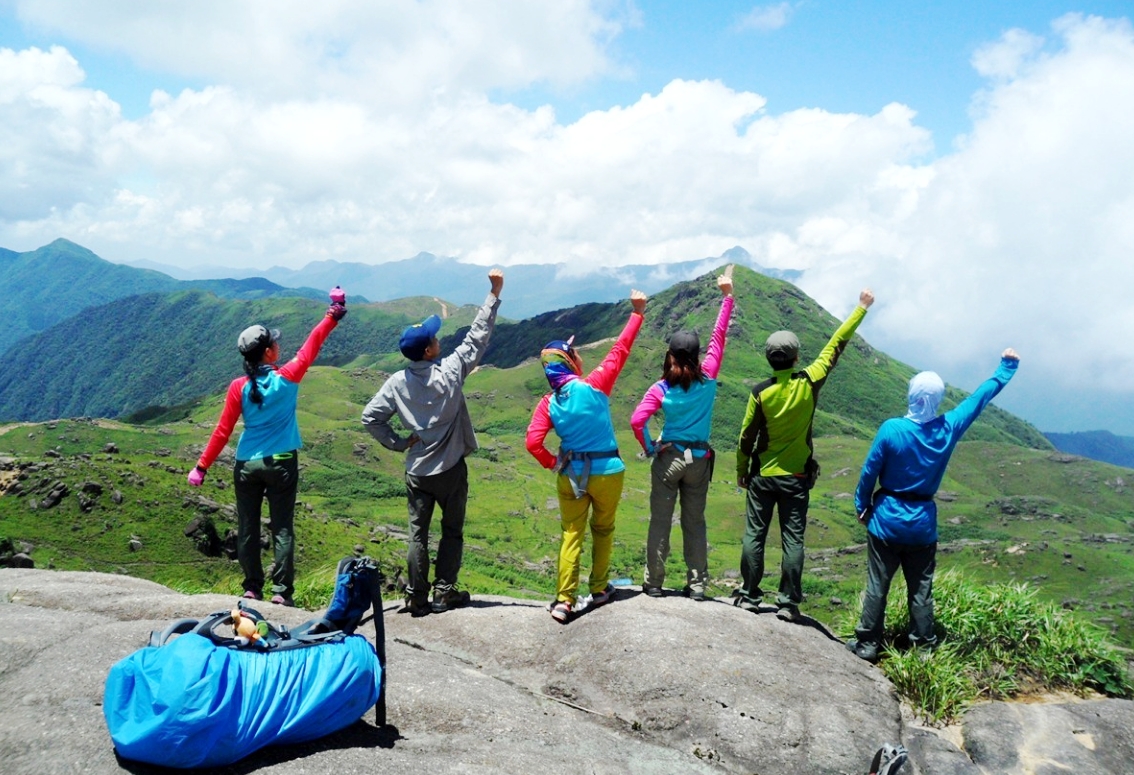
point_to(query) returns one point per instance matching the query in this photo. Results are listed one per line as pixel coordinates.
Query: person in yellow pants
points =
(589, 467)
(601, 497)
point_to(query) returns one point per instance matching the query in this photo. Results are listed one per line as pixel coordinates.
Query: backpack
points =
(196, 697)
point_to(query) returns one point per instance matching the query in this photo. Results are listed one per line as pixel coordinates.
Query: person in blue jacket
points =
(894, 499)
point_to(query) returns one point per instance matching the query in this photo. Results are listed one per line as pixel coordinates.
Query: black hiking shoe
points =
(452, 598)
(693, 593)
(867, 651)
(416, 608)
(752, 606)
(653, 591)
(788, 613)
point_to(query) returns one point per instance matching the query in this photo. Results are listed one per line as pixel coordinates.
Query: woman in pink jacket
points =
(267, 462)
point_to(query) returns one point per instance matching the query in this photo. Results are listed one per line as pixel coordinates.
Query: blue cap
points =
(417, 337)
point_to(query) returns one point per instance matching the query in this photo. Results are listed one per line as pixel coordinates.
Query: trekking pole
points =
(376, 580)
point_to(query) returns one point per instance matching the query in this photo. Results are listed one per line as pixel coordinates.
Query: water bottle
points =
(338, 296)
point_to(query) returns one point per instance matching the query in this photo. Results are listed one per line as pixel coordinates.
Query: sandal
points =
(561, 611)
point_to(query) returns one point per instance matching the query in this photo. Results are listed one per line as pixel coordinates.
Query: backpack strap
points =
(179, 627)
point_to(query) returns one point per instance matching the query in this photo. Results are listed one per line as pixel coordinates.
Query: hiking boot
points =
(752, 606)
(281, 600)
(561, 611)
(416, 608)
(602, 598)
(867, 651)
(788, 613)
(653, 591)
(452, 598)
(694, 593)
(250, 595)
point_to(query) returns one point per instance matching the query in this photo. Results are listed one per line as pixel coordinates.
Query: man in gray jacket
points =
(428, 399)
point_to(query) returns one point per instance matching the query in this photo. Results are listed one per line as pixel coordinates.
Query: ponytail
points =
(251, 368)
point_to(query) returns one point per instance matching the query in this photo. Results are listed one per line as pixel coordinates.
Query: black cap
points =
(686, 344)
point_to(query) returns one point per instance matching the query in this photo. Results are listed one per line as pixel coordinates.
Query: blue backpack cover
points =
(194, 704)
(195, 698)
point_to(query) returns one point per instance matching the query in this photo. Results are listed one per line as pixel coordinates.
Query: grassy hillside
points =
(1011, 508)
(1008, 512)
(156, 351)
(867, 385)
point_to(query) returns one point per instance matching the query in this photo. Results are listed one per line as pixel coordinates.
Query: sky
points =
(972, 162)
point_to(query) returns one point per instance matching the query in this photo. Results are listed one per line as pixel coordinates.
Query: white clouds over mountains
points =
(369, 132)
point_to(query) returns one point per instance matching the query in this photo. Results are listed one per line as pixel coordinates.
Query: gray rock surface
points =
(639, 686)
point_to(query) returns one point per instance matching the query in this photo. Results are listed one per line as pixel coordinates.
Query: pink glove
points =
(338, 296)
(197, 476)
(336, 311)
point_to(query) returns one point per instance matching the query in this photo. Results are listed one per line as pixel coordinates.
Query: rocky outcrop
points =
(638, 686)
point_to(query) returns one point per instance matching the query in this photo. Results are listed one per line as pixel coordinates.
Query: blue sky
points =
(970, 161)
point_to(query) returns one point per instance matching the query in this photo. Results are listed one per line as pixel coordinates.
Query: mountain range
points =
(1097, 445)
(46, 286)
(154, 351)
(62, 298)
(532, 288)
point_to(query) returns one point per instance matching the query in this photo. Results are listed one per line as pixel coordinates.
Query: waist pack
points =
(196, 697)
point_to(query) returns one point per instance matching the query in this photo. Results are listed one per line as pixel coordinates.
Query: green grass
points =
(998, 641)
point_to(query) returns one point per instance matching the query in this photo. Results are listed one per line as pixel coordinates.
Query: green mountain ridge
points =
(164, 350)
(43, 287)
(158, 350)
(1104, 446)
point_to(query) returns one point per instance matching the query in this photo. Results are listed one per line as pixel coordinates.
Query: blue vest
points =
(271, 427)
(581, 416)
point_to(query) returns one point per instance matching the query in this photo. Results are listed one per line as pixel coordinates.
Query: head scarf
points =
(561, 363)
(926, 391)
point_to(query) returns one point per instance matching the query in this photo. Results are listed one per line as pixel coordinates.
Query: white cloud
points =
(1022, 237)
(766, 18)
(393, 53)
(1003, 58)
(53, 135)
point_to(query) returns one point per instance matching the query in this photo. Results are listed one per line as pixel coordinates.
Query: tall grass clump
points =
(997, 641)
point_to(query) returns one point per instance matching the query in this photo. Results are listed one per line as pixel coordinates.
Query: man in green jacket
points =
(775, 463)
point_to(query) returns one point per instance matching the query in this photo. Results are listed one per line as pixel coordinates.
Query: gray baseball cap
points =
(256, 336)
(782, 345)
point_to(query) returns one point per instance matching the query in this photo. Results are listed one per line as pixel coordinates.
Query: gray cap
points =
(256, 336)
(781, 346)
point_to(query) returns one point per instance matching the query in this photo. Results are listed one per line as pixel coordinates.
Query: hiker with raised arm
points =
(267, 454)
(428, 398)
(682, 457)
(775, 461)
(589, 468)
(895, 500)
